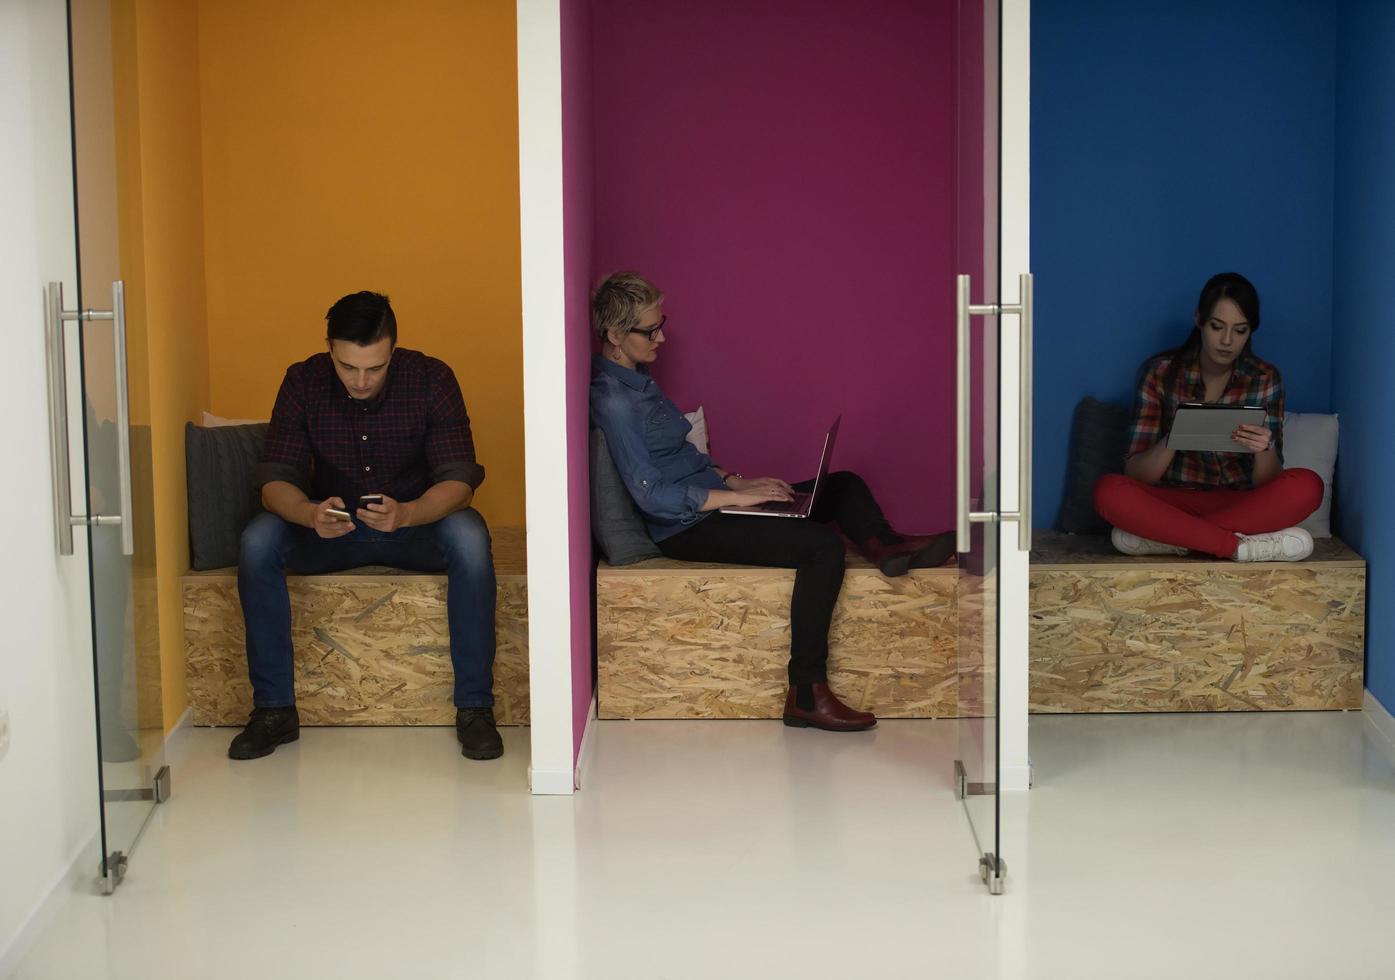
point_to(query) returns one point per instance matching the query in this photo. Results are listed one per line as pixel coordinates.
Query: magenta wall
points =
(784, 171)
(976, 98)
(577, 215)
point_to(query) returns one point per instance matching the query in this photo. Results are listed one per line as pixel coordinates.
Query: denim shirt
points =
(665, 474)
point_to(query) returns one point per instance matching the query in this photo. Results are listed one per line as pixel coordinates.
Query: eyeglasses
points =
(652, 331)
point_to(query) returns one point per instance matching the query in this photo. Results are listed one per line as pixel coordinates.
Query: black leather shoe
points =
(912, 551)
(266, 729)
(479, 739)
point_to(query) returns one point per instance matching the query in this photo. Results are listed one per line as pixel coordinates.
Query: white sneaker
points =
(1290, 544)
(1132, 544)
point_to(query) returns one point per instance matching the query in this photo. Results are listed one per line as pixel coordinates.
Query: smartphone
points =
(339, 515)
(369, 498)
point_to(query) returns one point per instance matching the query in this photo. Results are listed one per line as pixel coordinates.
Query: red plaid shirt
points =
(414, 434)
(1252, 382)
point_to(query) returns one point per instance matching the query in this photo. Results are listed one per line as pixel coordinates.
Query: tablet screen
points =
(1206, 428)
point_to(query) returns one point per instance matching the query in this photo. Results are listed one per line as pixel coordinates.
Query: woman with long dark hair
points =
(1241, 505)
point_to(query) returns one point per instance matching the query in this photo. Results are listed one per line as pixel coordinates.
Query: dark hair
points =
(1223, 285)
(1232, 286)
(362, 318)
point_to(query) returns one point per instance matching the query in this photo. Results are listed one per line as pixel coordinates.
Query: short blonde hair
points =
(620, 300)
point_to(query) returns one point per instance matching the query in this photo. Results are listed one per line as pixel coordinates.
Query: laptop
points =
(803, 503)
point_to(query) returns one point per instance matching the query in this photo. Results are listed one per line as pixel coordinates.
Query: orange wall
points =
(160, 195)
(264, 170)
(366, 145)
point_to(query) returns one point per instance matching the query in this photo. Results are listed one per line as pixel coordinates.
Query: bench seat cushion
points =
(616, 523)
(223, 495)
(1099, 438)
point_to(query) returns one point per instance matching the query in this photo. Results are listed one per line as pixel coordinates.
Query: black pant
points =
(809, 546)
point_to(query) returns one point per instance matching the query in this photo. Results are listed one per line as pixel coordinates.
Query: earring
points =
(615, 354)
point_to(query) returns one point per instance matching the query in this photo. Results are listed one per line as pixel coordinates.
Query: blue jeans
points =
(458, 545)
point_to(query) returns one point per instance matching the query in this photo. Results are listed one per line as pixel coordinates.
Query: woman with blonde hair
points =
(680, 492)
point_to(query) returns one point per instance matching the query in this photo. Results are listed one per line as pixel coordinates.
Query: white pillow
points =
(698, 436)
(211, 421)
(1310, 442)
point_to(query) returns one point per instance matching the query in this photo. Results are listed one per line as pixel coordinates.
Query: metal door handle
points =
(56, 353)
(54, 318)
(961, 456)
(123, 419)
(1024, 414)
(964, 516)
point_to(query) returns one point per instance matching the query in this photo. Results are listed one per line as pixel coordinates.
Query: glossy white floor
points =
(1168, 846)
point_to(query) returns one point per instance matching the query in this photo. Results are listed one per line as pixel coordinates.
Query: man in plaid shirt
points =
(1243, 504)
(368, 461)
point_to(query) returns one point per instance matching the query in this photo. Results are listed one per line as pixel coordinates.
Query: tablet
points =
(1206, 428)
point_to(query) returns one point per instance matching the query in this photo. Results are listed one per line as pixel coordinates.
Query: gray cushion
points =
(1099, 438)
(616, 523)
(223, 495)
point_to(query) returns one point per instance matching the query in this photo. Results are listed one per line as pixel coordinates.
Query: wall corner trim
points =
(1380, 725)
(588, 743)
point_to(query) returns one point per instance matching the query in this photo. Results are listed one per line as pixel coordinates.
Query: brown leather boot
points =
(828, 712)
(913, 551)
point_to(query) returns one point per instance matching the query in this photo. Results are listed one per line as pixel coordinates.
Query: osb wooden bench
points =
(1111, 633)
(372, 646)
(692, 640)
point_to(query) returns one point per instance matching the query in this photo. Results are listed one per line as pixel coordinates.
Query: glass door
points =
(116, 494)
(978, 317)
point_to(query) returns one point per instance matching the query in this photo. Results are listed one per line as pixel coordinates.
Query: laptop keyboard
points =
(800, 501)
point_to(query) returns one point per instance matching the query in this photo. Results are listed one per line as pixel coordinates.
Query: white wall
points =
(545, 396)
(1014, 615)
(48, 778)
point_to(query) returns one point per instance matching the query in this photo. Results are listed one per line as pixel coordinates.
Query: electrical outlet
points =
(4, 732)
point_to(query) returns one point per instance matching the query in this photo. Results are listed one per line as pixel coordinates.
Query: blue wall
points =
(1172, 140)
(1364, 348)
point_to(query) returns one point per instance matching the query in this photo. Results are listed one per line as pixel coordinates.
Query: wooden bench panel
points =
(1111, 633)
(1108, 633)
(372, 646)
(690, 640)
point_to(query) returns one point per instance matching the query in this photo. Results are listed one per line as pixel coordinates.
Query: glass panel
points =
(977, 195)
(125, 625)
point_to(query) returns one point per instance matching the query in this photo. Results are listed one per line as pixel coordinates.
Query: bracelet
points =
(729, 476)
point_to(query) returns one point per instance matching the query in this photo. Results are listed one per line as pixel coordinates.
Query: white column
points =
(1015, 773)
(544, 394)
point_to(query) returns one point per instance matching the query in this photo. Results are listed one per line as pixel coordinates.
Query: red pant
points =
(1207, 520)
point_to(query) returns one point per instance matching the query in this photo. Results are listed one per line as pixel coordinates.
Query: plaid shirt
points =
(413, 435)
(1252, 382)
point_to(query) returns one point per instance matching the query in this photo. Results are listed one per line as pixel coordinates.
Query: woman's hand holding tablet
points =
(1199, 427)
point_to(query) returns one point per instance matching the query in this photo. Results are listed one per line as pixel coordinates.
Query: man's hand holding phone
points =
(330, 519)
(381, 512)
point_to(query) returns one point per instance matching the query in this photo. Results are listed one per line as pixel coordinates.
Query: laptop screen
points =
(824, 460)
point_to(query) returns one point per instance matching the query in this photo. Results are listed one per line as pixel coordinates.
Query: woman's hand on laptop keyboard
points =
(753, 493)
(755, 497)
(762, 483)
